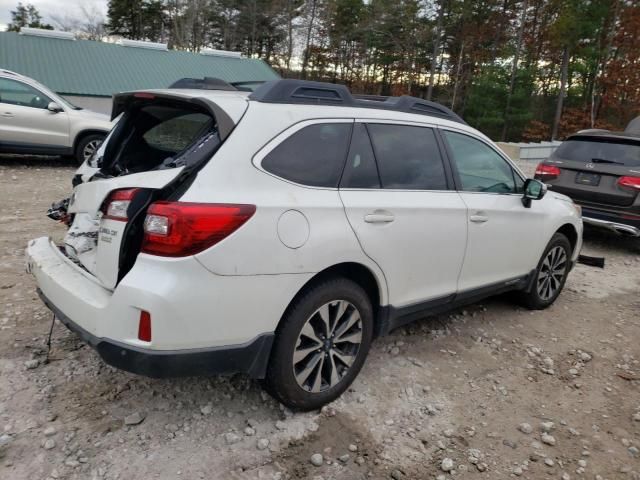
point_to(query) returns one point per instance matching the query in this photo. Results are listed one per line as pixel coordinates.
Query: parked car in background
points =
(599, 170)
(36, 121)
(209, 240)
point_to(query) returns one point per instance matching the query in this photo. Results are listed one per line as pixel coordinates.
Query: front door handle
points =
(6, 114)
(379, 216)
(478, 218)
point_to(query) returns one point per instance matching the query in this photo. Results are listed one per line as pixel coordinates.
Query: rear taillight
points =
(547, 172)
(178, 229)
(117, 204)
(632, 183)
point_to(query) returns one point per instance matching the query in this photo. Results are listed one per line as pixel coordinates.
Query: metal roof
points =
(85, 67)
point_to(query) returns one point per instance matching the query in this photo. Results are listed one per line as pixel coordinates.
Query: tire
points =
(87, 143)
(325, 360)
(546, 286)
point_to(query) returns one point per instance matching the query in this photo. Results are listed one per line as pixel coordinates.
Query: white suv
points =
(277, 233)
(36, 121)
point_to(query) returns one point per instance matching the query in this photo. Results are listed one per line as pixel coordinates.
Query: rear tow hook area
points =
(591, 261)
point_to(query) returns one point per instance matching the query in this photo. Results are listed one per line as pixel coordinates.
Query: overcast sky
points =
(63, 8)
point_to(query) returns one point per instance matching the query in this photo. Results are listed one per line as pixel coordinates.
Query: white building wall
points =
(96, 104)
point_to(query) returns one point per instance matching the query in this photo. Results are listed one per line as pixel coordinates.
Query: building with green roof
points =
(88, 73)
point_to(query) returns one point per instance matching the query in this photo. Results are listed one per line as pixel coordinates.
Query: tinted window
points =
(408, 157)
(176, 134)
(600, 150)
(360, 170)
(18, 93)
(312, 156)
(480, 168)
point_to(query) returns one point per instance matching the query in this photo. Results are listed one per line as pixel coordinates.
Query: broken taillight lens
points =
(179, 229)
(117, 204)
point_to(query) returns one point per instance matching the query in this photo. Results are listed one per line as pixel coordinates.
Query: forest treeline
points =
(515, 69)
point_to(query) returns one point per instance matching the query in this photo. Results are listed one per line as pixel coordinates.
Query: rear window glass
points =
(590, 150)
(177, 133)
(312, 156)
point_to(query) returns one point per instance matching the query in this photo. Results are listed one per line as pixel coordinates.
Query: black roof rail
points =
(206, 83)
(290, 91)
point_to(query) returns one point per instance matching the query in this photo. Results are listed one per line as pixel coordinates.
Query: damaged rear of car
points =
(96, 281)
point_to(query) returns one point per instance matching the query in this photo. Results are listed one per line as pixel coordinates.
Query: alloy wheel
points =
(552, 272)
(90, 148)
(327, 346)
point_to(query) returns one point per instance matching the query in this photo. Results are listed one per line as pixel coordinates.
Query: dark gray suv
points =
(599, 170)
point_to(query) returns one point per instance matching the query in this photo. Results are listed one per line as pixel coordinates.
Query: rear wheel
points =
(321, 344)
(87, 146)
(551, 274)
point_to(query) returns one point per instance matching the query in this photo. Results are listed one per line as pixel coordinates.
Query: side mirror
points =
(54, 107)
(533, 190)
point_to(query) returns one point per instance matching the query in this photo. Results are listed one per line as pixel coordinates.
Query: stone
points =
(549, 462)
(585, 357)
(353, 448)
(547, 426)
(49, 431)
(344, 458)
(263, 443)
(134, 419)
(49, 444)
(548, 439)
(249, 432)
(317, 460)
(31, 364)
(565, 476)
(231, 438)
(446, 465)
(525, 428)
(206, 409)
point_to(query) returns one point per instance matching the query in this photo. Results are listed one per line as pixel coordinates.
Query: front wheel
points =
(550, 275)
(87, 146)
(320, 345)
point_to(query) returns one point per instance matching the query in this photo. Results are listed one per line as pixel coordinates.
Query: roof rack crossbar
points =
(290, 91)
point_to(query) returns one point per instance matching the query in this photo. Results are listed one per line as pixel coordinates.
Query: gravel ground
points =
(492, 391)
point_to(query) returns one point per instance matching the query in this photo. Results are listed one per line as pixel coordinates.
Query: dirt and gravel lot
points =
(492, 391)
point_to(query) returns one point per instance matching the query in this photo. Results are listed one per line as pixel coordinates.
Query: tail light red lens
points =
(547, 172)
(144, 326)
(117, 203)
(629, 182)
(179, 229)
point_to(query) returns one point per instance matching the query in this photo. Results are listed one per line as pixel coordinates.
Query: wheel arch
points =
(569, 231)
(358, 273)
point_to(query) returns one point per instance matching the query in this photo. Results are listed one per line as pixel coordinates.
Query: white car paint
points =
(241, 287)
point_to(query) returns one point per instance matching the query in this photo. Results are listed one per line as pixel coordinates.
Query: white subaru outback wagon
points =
(277, 233)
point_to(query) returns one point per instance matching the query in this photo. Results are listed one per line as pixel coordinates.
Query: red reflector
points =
(179, 229)
(144, 95)
(144, 327)
(117, 203)
(629, 182)
(547, 172)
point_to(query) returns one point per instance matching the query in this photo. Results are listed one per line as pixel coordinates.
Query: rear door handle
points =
(6, 114)
(478, 218)
(379, 216)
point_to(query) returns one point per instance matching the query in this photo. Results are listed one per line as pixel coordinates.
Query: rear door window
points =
(312, 156)
(600, 150)
(176, 134)
(408, 157)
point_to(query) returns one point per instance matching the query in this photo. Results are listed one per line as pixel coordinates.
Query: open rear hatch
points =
(153, 153)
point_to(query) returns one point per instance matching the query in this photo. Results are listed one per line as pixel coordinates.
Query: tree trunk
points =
(305, 55)
(436, 49)
(563, 87)
(455, 85)
(514, 70)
